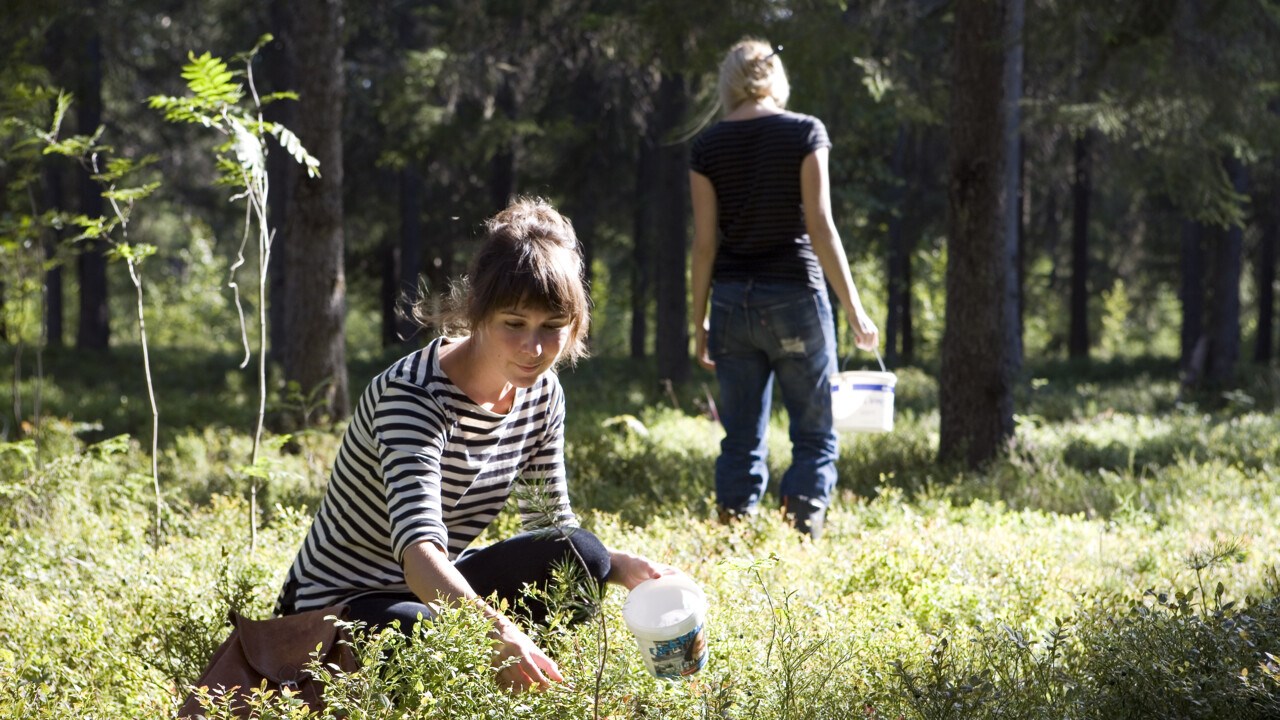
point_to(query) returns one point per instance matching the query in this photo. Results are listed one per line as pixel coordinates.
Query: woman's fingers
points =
(867, 340)
(526, 674)
(550, 671)
(531, 670)
(520, 663)
(866, 336)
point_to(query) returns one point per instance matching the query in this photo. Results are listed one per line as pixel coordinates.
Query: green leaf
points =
(120, 167)
(74, 147)
(91, 227)
(135, 253)
(187, 110)
(59, 113)
(26, 449)
(282, 95)
(111, 446)
(248, 149)
(210, 80)
(131, 194)
(257, 470)
(293, 146)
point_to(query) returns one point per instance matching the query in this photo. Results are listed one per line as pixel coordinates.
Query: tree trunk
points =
(594, 157)
(1050, 230)
(1225, 314)
(94, 331)
(282, 176)
(502, 166)
(1192, 296)
(585, 219)
(908, 333)
(976, 391)
(641, 241)
(1081, 189)
(54, 295)
(1267, 242)
(1023, 221)
(672, 341)
(899, 257)
(407, 275)
(55, 198)
(388, 290)
(440, 230)
(1013, 180)
(315, 286)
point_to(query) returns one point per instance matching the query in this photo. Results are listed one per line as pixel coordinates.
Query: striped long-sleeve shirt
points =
(421, 462)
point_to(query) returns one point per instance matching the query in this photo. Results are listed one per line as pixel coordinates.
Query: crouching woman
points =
(440, 441)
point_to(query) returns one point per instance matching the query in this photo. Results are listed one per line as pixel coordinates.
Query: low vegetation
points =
(1119, 563)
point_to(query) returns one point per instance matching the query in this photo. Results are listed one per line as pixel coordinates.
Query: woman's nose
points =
(532, 343)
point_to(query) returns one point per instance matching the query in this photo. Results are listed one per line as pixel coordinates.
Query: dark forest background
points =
(1015, 182)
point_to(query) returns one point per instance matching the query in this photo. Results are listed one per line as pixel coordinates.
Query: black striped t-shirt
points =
(754, 166)
(421, 462)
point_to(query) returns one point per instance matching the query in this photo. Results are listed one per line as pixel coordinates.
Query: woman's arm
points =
(703, 196)
(815, 193)
(433, 578)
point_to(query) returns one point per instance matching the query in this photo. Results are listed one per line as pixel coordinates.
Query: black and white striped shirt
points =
(421, 462)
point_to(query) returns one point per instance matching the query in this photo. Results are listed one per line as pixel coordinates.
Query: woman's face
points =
(522, 343)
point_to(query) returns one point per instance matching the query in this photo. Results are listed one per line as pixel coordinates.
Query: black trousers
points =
(503, 568)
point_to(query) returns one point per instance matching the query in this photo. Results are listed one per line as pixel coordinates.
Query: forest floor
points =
(1120, 561)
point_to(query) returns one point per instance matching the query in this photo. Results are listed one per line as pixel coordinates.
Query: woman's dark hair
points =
(530, 258)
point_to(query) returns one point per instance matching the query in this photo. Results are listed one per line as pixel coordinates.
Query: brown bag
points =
(277, 651)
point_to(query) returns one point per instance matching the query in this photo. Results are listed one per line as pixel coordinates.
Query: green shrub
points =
(1017, 592)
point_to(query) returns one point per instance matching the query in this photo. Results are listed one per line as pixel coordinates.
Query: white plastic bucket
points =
(862, 400)
(667, 615)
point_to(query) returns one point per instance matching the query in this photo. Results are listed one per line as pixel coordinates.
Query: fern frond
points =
(210, 80)
(293, 145)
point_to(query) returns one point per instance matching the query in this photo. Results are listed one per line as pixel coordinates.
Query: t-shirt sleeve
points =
(544, 495)
(411, 430)
(816, 137)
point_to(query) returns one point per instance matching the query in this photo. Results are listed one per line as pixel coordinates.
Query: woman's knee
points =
(591, 553)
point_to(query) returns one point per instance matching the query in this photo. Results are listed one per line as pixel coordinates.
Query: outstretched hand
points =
(629, 570)
(520, 663)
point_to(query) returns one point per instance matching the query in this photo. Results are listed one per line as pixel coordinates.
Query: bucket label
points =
(684, 655)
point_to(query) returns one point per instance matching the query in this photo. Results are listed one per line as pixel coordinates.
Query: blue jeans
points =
(761, 332)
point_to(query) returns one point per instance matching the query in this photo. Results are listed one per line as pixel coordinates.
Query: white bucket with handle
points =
(862, 400)
(667, 616)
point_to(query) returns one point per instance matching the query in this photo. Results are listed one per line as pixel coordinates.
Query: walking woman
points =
(443, 437)
(764, 240)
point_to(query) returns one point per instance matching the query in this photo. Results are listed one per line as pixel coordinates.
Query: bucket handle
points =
(878, 359)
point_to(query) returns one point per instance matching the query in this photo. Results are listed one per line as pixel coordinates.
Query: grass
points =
(1120, 562)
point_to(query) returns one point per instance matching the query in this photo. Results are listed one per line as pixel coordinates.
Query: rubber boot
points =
(806, 515)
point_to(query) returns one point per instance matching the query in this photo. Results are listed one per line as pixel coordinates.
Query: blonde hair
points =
(530, 258)
(752, 70)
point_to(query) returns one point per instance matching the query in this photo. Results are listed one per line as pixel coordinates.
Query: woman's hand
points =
(700, 348)
(630, 570)
(865, 333)
(531, 669)
(520, 663)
